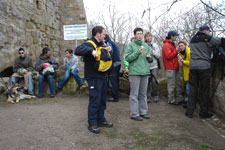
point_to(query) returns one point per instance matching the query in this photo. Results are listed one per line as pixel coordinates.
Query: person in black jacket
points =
(97, 82)
(201, 46)
(114, 73)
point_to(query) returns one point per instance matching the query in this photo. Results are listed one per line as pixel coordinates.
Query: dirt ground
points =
(61, 124)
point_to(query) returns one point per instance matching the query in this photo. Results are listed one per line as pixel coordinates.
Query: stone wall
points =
(32, 24)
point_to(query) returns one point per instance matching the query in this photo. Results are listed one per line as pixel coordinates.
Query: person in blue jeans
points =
(46, 65)
(71, 68)
(97, 83)
(23, 68)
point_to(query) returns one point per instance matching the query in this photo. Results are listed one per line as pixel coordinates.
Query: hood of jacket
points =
(169, 42)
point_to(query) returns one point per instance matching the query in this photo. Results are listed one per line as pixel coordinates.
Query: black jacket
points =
(85, 50)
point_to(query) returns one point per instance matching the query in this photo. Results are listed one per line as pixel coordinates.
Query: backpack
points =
(104, 59)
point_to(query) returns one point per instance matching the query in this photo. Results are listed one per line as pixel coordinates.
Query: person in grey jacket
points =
(201, 47)
(23, 67)
(154, 68)
(46, 65)
(71, 68)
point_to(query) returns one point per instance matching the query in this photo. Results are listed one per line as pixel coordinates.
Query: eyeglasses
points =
(21, 53)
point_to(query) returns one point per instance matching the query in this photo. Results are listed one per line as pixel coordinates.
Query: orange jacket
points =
(169, 54)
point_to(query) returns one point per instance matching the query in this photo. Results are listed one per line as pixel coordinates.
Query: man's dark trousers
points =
(97, 100)
(114, 81)
(199, 82)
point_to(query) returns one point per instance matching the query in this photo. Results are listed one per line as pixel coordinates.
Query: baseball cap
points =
(205, 27)
(172, 33)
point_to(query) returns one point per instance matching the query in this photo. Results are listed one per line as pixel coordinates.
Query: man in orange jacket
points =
(171, 65)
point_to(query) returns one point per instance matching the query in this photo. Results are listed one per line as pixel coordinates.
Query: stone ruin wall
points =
(32, 24)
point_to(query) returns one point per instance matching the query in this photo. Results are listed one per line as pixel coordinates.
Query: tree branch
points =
(211, 8)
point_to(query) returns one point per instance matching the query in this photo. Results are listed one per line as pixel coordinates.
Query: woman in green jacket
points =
(138, 55)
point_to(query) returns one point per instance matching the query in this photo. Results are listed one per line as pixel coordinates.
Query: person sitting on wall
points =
(23, 68)
(46, 65)
(71, 68)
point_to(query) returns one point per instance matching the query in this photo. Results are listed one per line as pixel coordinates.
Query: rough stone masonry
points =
(32, 24)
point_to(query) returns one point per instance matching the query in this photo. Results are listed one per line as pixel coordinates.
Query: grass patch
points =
(205, 146)
(111, 133)
(143, 140)
(81, 74)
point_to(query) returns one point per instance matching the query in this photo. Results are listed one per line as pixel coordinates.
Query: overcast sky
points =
(136, 7)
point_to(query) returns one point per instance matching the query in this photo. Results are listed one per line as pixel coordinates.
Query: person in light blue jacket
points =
(71, 68)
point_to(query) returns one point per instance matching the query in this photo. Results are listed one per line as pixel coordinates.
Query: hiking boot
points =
(106, 124)
(25, 92)
(94, 129)
(137, 118)
(205, 116)
(145, 116)
(185, 105)
(39, 96)
(188, 115)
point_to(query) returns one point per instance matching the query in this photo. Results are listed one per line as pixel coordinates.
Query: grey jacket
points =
(156, 55)
(25, 63)
(72, 62)
(41, 60)
(201, 49)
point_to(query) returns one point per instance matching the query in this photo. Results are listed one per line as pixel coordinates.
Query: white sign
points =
(75, 32)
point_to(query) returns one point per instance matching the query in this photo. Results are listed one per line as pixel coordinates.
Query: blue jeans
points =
(187, 90)
(30, 83)
(97, 101)
(67, 74)
(51, 84)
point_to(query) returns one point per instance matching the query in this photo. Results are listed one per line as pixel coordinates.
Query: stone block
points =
(71, 86)
(30, 25)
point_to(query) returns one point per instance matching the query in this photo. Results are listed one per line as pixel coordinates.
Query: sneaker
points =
(205, 116)
(111, 99)
(137, 118)
(94, 129)
(148, 100)
(173, 102)
(31, 93)
(39, 96)
(106, 124)
(58, 90)
(145, 116)
(52, 95)
(156, 99)
(82, 85)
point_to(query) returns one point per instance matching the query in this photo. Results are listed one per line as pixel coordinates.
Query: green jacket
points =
(126, 64)
(138, 63)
